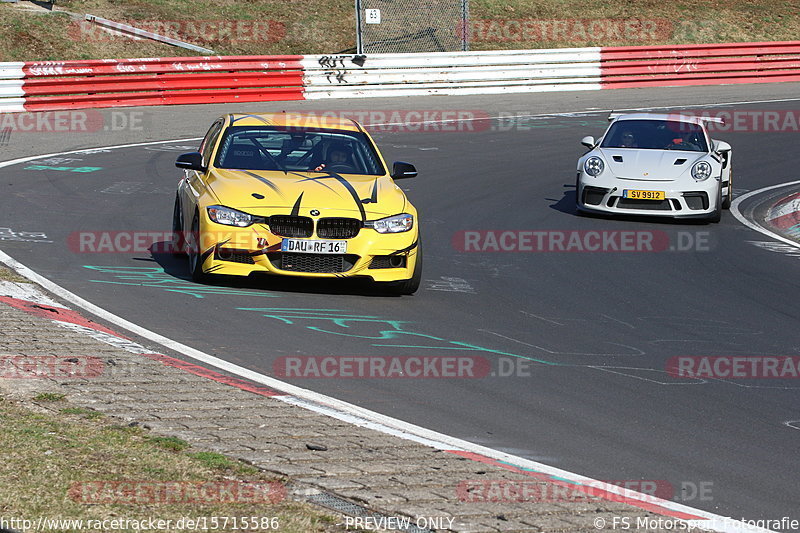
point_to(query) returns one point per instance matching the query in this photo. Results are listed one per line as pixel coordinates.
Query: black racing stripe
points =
(347, 185)
(316, 180)
(214, 269)
(265, 181)
(296, 208)
(205, 255)
(407, 248)
(262, 119)
(373, 198)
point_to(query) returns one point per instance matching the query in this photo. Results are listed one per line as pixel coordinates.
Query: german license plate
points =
(644, 195)
(310, 246)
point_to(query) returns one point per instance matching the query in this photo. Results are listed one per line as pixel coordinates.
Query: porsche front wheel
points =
(726, 203)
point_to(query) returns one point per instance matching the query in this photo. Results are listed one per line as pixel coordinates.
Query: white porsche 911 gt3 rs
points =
(656, 164)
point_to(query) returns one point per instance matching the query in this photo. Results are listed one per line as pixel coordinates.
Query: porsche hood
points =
(264, 192)
(656, 165)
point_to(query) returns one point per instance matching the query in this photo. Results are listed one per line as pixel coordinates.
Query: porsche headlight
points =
(393, 224)
(594, 166)
(229, 217)
(701, 170)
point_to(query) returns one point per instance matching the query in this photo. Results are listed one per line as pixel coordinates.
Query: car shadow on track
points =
(566, 204)
(178, 267)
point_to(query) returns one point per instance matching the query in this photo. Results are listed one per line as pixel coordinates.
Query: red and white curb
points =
(31, 300)
(749, 220)
(784, 215)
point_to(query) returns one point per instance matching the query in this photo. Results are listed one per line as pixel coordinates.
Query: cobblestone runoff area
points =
(353, 471)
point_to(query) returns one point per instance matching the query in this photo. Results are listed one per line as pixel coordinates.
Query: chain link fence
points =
(394, 26)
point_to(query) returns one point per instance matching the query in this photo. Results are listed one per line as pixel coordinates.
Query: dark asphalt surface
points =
(589, 334)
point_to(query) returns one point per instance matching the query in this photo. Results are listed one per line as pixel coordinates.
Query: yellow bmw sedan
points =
(295, 195)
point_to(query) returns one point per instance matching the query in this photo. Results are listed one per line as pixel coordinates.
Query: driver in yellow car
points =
(338, 154)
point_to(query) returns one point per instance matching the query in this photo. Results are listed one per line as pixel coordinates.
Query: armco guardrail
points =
(452, 73)
(705, 64)
(49, 85)
(42, 86)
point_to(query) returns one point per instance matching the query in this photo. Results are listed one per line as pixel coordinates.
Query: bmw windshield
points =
(298, 150)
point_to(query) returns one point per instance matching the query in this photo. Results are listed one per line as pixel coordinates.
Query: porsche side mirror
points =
(722, 147)
(402, 170)
(588, 141)
(190, 161)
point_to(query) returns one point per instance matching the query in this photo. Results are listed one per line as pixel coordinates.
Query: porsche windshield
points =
(297, 150)
(656, 135)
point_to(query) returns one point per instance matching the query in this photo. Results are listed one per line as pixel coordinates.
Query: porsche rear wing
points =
(716, 120)
(612, 116)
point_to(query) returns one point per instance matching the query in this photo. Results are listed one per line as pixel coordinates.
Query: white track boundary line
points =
(751, 224)
(354, 414)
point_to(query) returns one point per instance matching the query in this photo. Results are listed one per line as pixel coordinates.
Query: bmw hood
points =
(656, 165)
(268, 192)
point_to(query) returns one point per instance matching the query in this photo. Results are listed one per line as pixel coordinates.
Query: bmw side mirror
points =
(190, 161)
(402, 170)
(588, 141)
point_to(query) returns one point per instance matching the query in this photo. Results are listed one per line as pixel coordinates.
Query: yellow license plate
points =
(644, 195)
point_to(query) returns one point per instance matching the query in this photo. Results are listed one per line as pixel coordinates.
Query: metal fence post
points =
(359, 43)
(464, 27)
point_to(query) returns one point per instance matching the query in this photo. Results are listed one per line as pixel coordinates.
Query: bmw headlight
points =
(594, 166)
(701, 170)
(393, 224)
(229, 217)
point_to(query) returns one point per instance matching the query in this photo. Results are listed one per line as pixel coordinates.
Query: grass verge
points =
(10, 275)
(49, 458)
(264, 27)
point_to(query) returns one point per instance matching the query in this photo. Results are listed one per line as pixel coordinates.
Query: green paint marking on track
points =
(470, 347)
(63, 169)
(290, 316)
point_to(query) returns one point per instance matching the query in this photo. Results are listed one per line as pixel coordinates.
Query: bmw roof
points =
(294, 119)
